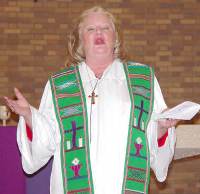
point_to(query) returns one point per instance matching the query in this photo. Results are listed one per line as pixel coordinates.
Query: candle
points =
(80, 142)
(142, 125)
(135, 121)
(68, 145)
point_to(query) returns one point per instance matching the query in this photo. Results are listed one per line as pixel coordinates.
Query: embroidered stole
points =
(71, 113)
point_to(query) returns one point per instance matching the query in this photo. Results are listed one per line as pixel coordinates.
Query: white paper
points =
(184, 111)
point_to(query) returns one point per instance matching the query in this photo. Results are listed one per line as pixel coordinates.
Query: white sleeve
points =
(36, 153)
(160, 157)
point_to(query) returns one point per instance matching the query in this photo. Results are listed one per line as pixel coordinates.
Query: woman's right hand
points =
(20, 106)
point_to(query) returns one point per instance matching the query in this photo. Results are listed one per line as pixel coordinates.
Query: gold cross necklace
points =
(93, 95)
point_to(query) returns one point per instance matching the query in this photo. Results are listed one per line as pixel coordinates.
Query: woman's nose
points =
(98, 30)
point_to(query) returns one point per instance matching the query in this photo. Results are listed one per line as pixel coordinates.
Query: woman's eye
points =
(106, 28)
(90, 29)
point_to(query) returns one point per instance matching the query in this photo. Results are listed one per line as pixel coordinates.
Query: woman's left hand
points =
(164, 125)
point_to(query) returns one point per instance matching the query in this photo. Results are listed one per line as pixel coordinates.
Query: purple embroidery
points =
(74, 134)
(138, 146)
(76, 167)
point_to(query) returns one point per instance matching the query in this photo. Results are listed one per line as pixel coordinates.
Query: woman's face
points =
(97, 35)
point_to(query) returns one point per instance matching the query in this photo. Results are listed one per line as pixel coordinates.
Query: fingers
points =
(8, 102)
(18, 94)
(173, 121)
(168, 123)
(11, 104)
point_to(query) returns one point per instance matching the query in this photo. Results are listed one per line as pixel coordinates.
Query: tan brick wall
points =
(162, 33)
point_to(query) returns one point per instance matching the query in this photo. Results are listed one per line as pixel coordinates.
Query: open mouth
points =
(99, 41)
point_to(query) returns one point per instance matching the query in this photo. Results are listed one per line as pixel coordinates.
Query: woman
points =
(96, 119)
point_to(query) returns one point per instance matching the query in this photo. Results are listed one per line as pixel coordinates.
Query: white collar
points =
(113, 71)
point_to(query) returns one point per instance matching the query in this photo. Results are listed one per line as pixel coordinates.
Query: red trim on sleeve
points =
(29, 133)
(161, 140)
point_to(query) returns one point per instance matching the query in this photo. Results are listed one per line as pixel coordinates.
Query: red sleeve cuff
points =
(29, 133)
(161, 140)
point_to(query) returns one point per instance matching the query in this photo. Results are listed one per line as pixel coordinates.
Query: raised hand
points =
(20, 106)
(165, 124)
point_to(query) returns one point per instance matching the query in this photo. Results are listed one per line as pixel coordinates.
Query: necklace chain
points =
(93, 95)
(98, 81)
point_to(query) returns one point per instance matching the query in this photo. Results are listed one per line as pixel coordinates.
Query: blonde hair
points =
(75, 51)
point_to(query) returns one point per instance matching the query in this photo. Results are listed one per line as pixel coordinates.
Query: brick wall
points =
(163, 33)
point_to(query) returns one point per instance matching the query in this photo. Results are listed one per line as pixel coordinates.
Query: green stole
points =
(71, 113)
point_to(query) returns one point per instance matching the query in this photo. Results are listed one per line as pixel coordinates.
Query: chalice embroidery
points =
(76, 167)
(138, 146)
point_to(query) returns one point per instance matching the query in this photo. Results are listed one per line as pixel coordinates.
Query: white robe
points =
(109, 128)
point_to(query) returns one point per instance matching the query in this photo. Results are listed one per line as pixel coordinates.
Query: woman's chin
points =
(101, 51)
